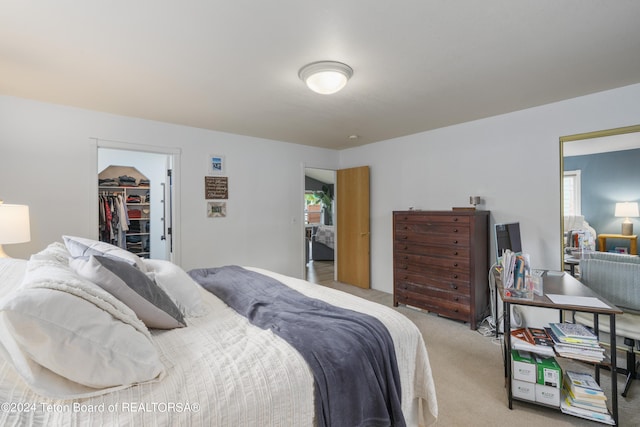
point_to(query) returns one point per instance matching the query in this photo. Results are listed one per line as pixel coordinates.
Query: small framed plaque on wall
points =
(216, 209)
(216, 164)
(216, 187)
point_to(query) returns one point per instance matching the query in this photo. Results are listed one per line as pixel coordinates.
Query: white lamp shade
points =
(627, 209)
(326, 77)
(14, 224)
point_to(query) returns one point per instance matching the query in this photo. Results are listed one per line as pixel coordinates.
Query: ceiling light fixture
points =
(325, 77)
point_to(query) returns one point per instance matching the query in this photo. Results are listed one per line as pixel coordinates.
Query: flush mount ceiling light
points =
(325, 77)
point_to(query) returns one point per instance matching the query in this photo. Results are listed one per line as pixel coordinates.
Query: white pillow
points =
(182, 289)
(65, 346)
(81, 247)
(131, 286)
(55, 252)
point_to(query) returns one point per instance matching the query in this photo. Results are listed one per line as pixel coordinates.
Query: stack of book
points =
(535, 340)
(575, 341)
(583, 397)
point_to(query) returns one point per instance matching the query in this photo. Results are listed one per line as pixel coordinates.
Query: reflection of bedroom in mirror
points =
(599, 172)
(319, 215)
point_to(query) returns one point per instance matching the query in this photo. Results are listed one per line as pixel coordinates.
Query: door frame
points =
(173, 152)
(303, 228)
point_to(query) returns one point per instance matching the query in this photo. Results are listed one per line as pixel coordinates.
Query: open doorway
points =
(158, 167)
(319, 223)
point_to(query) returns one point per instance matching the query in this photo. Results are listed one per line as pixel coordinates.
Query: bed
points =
(200, 364)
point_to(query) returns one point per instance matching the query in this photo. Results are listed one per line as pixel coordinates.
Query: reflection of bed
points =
(218, 370)
(322, 243)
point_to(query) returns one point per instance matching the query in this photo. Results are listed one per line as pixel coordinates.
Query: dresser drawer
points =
(404, 279)
(429, 261)
(439, 272)
(430, 219)
(445, 307)
(448, 239)
(432, 228)
(409, 247)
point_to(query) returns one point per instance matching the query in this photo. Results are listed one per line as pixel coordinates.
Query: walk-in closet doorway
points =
(159, 165)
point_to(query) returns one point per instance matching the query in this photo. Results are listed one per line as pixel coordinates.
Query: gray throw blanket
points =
(351, 354)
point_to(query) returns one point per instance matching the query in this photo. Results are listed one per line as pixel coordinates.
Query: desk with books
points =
(560, 284)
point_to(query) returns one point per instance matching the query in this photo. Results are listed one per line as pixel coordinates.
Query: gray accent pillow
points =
(131, 286)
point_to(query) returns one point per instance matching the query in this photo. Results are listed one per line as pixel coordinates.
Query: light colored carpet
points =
(469, 376)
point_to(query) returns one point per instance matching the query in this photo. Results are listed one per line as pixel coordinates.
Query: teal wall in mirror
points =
(607, 178)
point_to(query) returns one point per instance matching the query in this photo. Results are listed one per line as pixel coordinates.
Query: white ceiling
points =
(232, 65)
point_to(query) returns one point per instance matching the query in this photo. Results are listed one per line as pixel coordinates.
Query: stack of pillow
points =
(78, 325)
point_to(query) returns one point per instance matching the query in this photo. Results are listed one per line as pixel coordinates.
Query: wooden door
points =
(353, 234)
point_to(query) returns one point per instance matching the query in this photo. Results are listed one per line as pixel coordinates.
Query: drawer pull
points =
(406, 257)
(455, 276)
(455, 264)
(454, 286)
(406, 228)
(455, 242)
(456, 299)
(405, 237)
(455, 230)
(455, 219)
(406, 247)
(456, 310)
(454, 252)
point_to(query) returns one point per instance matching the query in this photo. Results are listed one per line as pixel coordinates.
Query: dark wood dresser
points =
(441, 262)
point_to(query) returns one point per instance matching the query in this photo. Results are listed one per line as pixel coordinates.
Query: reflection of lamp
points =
(14, 225)
(627, 210)
(325, 77)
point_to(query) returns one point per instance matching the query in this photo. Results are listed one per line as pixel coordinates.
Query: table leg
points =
(602, 244)
(507, 340)
(614, 373)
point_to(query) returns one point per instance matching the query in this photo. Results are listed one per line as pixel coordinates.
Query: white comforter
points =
(222, 371)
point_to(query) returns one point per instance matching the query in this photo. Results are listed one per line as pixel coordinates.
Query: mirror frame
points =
(578, 137)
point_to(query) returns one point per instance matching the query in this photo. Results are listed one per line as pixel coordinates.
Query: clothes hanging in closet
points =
(114, 221)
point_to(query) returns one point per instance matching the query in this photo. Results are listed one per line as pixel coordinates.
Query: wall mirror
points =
(598, 170)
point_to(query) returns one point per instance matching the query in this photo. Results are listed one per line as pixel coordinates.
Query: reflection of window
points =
(571, 196)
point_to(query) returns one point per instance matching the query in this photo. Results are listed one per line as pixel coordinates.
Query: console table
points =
(561, 283)
(633, 242)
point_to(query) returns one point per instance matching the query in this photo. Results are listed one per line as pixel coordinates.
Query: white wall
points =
(48, 161)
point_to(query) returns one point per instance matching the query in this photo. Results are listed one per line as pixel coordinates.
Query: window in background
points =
(312, 209)
(571, 193)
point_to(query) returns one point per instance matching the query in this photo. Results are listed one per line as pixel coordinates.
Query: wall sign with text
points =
(216, 187)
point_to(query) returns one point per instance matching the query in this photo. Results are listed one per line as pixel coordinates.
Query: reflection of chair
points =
(616, 278)
(578, 234)
(322, 243)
